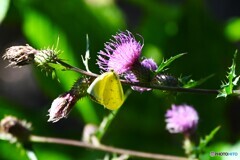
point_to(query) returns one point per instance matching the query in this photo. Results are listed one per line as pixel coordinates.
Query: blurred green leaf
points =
(52, 155)
(11, 151)
(153, 51)
(232, 149)
(85, 107)
(8, 108)
(42, 32)
(4, 5)
(106, 12)
(232, 29)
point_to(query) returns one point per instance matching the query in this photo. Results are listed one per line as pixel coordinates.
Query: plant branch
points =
(147, 85)
(75, 69)
(40, 139)
(175, 89)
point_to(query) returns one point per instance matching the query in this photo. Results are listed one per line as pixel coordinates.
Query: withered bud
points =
(20, 55)
(15, 129)
(24, 55)
(62, 105)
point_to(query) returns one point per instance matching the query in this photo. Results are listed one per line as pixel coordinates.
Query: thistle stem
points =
(105, 124)
(105, 148)
(75, 69)
(166, 88)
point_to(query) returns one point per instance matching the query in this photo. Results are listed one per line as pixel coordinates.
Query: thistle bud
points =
(46, 56)
(162, 79)
(62, 105)
(141, 72)
(13, 129)
(20, 55)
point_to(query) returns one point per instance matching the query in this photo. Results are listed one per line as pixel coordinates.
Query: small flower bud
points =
(149, 64)
(46, 56)
(162, 79)
(141, 72)
(20, 55)
(14, 129)
(62, 105)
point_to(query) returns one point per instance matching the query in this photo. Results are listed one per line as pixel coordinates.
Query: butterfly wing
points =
(96, 89)
(113, 96)
(107, 90)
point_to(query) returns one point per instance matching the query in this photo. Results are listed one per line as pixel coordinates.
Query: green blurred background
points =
(209, 31)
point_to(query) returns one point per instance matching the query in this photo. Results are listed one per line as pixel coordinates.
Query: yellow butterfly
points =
(107, 90)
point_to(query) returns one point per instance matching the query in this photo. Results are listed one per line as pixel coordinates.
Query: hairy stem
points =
(40, 139)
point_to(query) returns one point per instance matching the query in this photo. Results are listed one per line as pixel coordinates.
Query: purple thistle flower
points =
(181, 119)
(120, 54)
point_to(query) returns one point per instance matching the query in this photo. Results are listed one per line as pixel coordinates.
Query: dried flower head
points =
(64, 103)
(24, 55)
(20, 55)
(181, 119)
(120, 54)
(13, 129)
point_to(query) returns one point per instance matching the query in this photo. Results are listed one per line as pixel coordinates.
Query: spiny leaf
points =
(168, 62)
(204, 141)
(227, 87)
